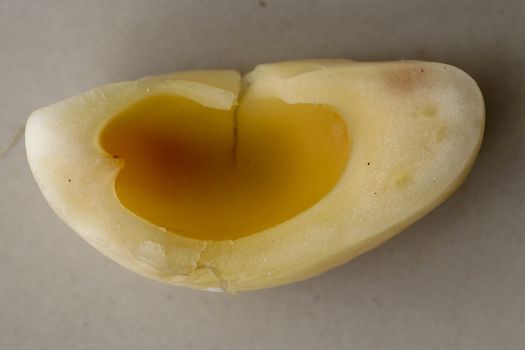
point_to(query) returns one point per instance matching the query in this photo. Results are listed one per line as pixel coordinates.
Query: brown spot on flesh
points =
(405, 79)
(428, 110)
(441, 134)
(402, 180)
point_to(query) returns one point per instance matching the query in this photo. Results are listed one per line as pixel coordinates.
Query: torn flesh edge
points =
(224, 284)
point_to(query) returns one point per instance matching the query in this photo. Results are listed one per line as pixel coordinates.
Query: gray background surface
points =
(454, 280)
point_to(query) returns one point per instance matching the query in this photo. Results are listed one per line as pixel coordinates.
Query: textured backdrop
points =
(454, 280)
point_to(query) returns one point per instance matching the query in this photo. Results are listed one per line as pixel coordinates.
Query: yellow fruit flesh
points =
(220, 175)
(416, 128)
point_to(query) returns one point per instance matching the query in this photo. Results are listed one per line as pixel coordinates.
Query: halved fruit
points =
(213, 181)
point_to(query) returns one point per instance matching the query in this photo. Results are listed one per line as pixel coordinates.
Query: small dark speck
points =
(368, 163)
(262, 3)
(433, 180)
(115, 156)
(444, 67)
(422, 70)
(375, 192)
(68, 180)
(317, 297)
